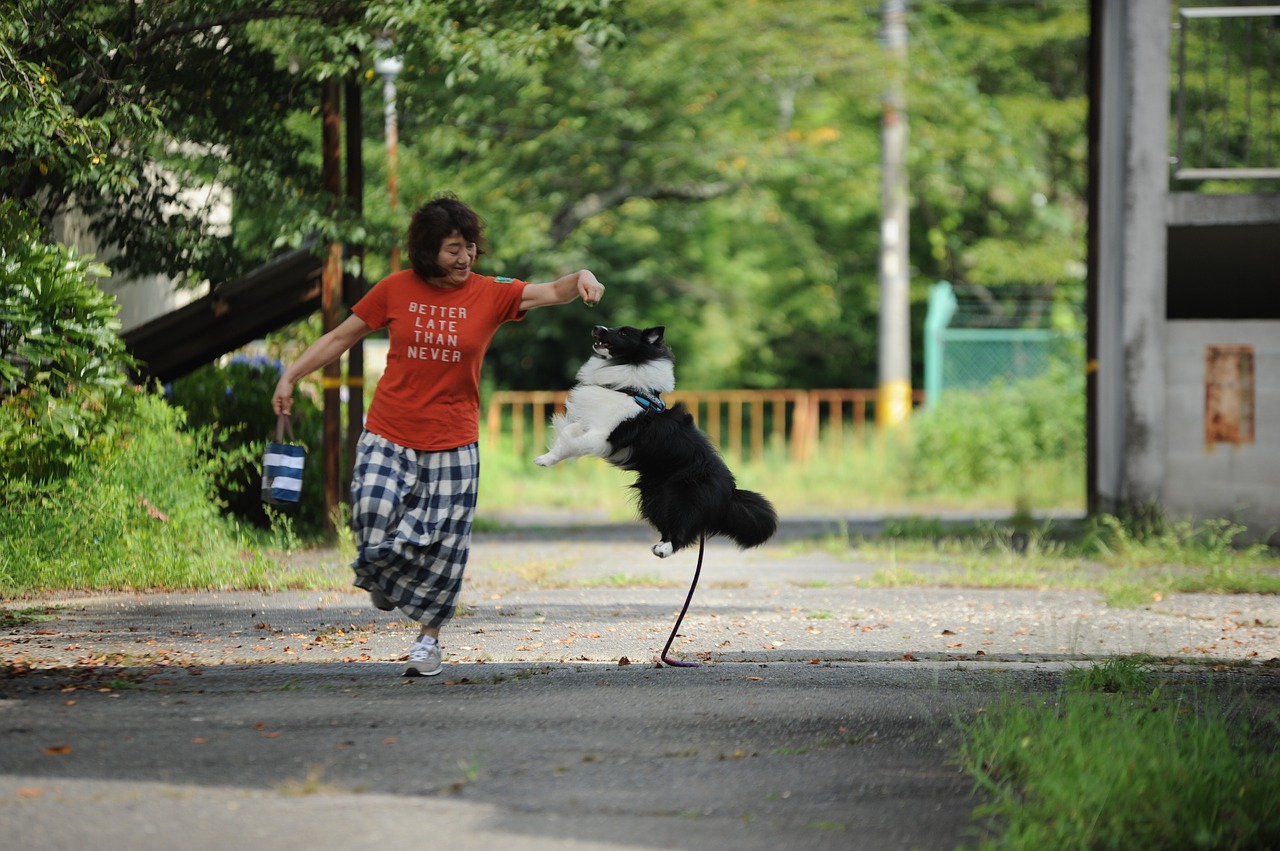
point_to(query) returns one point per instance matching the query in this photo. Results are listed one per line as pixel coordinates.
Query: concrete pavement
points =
(820, 716)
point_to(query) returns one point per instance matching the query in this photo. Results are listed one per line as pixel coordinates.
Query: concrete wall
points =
(1222, 480)
(140, 299)
(1132, 193)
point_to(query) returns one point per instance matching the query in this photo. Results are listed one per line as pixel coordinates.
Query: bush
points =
(971, 440)
(62, 363)
(104, 486)
(133, 511)
(1119, 759)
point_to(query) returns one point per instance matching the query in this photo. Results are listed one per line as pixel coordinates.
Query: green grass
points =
(1119, 759)
(865, 475)
(1130, 564)
(137, 512)
(10, 618)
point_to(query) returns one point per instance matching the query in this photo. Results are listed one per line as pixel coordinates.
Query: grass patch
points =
(866, 474)
(1129, 564)
(10, 618)
(139, 512)
(1118, 759)
(624, 580)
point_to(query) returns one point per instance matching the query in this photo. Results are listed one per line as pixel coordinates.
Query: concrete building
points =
(1185, 262)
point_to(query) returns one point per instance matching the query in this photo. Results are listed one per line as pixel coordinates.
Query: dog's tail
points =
(751, 519)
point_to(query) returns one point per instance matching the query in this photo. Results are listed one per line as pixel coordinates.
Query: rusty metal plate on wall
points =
(1228, 395)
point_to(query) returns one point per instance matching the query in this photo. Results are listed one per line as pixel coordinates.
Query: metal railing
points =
(1228, 98)
(742, 423)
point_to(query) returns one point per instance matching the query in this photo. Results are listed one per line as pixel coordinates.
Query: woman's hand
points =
(282, 400)
(590, 289)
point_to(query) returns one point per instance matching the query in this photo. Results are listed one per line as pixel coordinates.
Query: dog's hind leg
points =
(677, 530)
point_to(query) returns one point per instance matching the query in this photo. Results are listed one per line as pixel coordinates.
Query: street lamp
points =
(389, 67)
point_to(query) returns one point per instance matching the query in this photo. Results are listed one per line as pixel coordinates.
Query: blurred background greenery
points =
(717, 164)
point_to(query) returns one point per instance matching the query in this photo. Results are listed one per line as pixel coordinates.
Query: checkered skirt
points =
(411, 514)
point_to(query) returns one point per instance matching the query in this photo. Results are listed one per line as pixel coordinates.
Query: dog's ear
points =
(653, 335)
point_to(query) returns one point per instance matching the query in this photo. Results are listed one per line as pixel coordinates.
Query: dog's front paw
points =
(548, 460)
(662, 549)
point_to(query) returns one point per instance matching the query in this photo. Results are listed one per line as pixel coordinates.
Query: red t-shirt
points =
(429, 396)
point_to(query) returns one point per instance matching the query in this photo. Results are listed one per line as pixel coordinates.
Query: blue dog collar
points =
(649, 401)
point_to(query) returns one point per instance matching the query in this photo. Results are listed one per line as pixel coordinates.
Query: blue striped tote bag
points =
(282, 466)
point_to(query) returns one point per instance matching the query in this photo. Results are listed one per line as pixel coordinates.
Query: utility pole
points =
(893, 402)
(353, 284)
(331, 293)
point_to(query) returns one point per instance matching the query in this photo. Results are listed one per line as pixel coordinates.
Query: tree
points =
(716, 162)
(719, 167)
(999, 105)
(132, 110)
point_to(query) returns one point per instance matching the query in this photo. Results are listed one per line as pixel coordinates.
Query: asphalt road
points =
(821, 715)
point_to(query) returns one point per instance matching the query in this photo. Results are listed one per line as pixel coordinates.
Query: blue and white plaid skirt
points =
(411, 511)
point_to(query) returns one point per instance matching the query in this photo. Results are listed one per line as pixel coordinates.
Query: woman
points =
(413, 490)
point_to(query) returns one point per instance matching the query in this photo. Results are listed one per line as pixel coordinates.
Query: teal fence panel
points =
(974, 358)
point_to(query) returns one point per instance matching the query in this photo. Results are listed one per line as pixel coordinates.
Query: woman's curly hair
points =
(431, 225)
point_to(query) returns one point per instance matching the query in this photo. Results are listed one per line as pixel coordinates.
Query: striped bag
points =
(282, 467)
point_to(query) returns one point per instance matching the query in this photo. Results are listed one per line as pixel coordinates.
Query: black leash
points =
(676, 663)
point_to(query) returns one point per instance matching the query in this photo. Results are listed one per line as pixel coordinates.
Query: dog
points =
(615, 411)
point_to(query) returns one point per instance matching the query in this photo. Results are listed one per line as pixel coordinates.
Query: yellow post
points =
(893, 403)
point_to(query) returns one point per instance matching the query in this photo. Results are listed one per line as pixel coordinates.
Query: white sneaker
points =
(424, 660)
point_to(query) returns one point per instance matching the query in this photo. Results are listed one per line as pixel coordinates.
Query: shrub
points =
(132, 511)
(1120, 758)
(62, 363)
(970, 440)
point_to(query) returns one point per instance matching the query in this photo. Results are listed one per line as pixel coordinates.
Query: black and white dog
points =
(615, 411)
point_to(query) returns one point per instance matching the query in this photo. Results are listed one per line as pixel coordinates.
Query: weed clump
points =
(1119, 759)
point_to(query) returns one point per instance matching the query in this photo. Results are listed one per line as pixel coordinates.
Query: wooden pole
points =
(355, 282)
(331, 295)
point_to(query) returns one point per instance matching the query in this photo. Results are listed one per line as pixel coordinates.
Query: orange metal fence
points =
(743, 423)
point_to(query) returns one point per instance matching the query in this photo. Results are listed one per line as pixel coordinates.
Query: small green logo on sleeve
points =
(503, 280)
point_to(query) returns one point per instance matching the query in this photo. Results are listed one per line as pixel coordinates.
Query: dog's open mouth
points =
(599, 344)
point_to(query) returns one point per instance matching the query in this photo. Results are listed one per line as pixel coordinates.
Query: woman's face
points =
(455, 258)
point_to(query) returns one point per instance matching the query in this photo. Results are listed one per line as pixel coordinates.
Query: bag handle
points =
(284, 423)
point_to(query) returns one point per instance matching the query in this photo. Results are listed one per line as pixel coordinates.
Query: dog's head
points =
(630, 345)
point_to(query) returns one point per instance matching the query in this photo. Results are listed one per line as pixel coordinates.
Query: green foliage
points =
(1113, 675)
(143, 114)
(716, 163)
(998, 106)
(1151, 540)
(232, 405)
(1113, 763)
(971, 440)
(718, 168)
(61, 361)
(135, 511)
